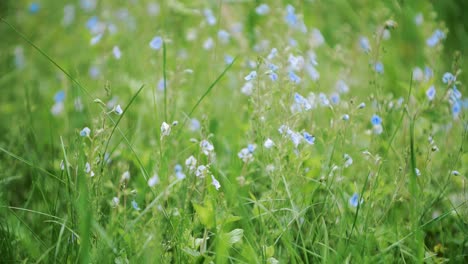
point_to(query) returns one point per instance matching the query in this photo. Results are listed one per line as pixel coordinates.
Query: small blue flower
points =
(345, 117)
(309, 138)
(456, 93)
(294, 78)
(252, 75)
(135, 205)
(85, 132)
(428, 73)
(448, 78)
(210, 18)
(262, 9)
(456, 108)
(335, 98)
(59, 97)
(273, 76)
(228, 59)
(156, 43)
(92, 22)
(378, 67)
(364, 43)
(435, 38)
(290, 17)
(354, 200)
(251, 148)
(178, 168)
(272, 67)
(376, 120)
(34, 8)
(430, 93)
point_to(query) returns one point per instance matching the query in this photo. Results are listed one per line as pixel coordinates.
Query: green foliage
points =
(321, 157)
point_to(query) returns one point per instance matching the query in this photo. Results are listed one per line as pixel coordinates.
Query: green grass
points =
(65, 198)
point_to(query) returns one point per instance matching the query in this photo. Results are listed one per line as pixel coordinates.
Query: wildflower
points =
(34, 8)
(456, 108)
(59, 96)
(252, 75)
(300, 103)
(364, 43)
(94, 72)
(165, 129)
(85, 132)
(215, 182)
(262, 9)
(210, 18)
(88, 169)
(418, 74)
(309, 138)
(135, 205)
(206, 147)
(378, 129)
(376, 120)
(125, 176)
(95, 40)
(268, 143)
(434, 39)
(118, 110)
(223, 35)
(418, 19)
(290, 17)
(272, 53)
(296, 62)
(324, 100)
(116, 52)
(345, 117)
(294, 78)
(191, 163)
(312, 71)
(342, 87)
(455, 93)
(228, 59)
(201, 171)
(354, 200)
(115, 201)
(208, 44)
(62, 165)
(378, 67)
(295, 138)
(194, 124)
(455, 173)
(153, 180)
(317, 38)
(428, 73)
(431, 92)
(178, 171)
(348, 160)
(246, 155)
(417, 171)
(362, 105)
(273, 76)
(156, 43)
(448, 78)
(335, 98)
(247, 89)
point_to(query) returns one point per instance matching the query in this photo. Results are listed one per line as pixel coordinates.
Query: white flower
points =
(206, 147)
(125, 176)
(201, 171)
(348, 160)
(153, 180)
(245, 155)
(268, 143)
(215, 182)
(247, 89)
(165, 129)
(115, 201)
(191, 163)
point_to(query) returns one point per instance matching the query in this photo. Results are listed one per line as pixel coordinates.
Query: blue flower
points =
(345, 117)
(309, 138)
(335, 98)
(272, 67)
(228, 59)
(251, 147)
(156, 43)
(92, 22)
(428, 73)
(34, 8)
(376, 120)
(354, 200)
(435, 38)
(210, 18)
(364, 43)
(294, 78)
(290, 17)
(456, 108)
(273, 76)
(430, 93)
(85, 132)
(456, 93)
(135, 205)
(262, 9)
(378, 67)
(448, 78)
(59, 97)
(252, 75)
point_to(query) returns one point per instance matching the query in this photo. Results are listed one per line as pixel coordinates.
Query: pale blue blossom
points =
(85, 132)
(252, 75)
(215, 182)
(156, 43)
(431, 92)
(262, 9)
(210, 18)
(364, 43)
(448, 77)
(135, 205)
(354, 200)
(309, 138)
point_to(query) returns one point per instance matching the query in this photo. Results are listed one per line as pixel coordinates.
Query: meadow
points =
(231, 131)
